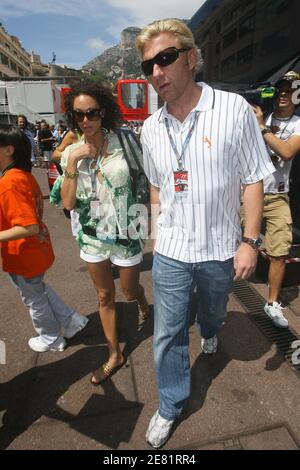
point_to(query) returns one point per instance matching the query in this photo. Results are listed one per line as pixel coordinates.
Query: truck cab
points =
(137, 99)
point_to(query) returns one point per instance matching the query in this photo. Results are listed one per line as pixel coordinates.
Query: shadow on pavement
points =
(38, 392)
(239, 340)
(288, 294)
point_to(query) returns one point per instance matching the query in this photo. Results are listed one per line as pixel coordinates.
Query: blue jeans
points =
(173, 282)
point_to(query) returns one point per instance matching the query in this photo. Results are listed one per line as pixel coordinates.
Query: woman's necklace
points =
(99, 172)
(95, 165)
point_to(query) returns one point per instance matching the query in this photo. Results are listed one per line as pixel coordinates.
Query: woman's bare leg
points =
(102, 277)
(132, 289)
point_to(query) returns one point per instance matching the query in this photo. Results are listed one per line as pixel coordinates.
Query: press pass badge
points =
(95, 209)
(181, 182)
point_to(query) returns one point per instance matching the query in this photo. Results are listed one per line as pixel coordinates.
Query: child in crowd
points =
(26, 248)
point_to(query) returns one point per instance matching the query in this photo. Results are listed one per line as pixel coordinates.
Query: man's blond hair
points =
(172, 26)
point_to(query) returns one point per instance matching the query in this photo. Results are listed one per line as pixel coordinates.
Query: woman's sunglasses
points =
(163, 58)
(91, 114)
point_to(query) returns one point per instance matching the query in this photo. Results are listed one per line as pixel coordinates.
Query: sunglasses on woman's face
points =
(91, 114)
(163, 58)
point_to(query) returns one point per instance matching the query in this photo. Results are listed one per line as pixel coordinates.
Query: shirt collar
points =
(205, 103)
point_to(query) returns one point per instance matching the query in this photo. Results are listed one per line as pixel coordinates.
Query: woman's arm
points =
(69, 138)
(155, 211)
(69, 186)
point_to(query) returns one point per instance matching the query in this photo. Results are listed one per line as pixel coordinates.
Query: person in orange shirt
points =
(26, 248)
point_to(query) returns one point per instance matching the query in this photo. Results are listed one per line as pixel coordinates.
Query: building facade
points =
(37, 67)
(14, 59)
(246, 40)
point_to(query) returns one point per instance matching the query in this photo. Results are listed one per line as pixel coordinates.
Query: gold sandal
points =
(104, 372)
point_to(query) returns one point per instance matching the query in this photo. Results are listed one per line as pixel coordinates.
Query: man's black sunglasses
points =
(91, 114)
(163, 58)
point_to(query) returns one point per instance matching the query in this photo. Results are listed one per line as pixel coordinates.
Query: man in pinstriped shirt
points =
(198, 150)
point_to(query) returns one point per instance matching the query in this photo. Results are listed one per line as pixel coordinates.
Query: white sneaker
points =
(76, 324)
(210, 345)
(37, 344)
(158, 430)
(274, 312)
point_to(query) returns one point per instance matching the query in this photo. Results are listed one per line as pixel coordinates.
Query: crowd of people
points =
(44, 138)
(204, 151)
(135, 126)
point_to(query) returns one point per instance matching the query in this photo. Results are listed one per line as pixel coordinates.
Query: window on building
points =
(247, 25)
(277, 8)
(228, 63)
(205, 36)
(234, 13)
(249, 3)
(226, 18)
(217, 48)
(276, 42)
(229, 38)
(218, 27)
(216, 72)
(4, 59)
(7, 46)
(21, 72)
(245, 55)
(13, 66)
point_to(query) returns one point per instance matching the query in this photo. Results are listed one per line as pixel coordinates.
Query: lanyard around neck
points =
(93, 175)
(286, 121)
(186, 142)
(93, 171)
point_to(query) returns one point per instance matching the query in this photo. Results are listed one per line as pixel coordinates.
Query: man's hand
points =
(245, 261)
(259, 115)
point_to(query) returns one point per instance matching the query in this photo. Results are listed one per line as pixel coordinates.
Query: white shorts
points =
(132, 261)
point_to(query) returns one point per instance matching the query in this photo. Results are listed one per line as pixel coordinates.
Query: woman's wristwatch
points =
(255, 243)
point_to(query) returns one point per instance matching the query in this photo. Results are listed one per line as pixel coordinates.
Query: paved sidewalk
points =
(244, 397)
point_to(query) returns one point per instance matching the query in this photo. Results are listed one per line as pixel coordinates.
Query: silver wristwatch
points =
(253, 242)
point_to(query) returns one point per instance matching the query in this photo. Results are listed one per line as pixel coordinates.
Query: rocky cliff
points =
(117, 59)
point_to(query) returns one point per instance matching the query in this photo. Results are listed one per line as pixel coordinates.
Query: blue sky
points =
(79, 30)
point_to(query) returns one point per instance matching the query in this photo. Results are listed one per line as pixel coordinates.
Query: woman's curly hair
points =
(105, 99)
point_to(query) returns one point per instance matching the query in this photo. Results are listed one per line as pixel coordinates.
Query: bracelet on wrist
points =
(71, 175)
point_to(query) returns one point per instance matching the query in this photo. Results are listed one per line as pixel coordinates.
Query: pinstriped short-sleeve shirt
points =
(225, 151)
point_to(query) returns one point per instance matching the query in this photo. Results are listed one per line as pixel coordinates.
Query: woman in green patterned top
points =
(97, 186)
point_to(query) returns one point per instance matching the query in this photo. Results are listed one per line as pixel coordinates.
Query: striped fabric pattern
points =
(225, 151)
